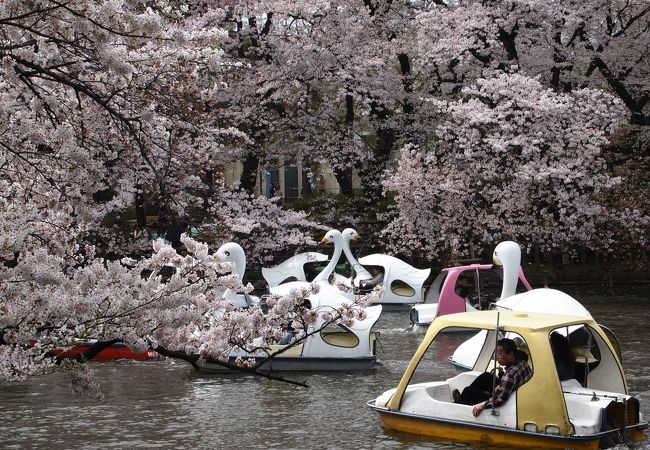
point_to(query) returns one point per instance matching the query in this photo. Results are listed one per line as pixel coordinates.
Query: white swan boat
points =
(403, 284)
(323, 278)
(336, 347)
(544, 412)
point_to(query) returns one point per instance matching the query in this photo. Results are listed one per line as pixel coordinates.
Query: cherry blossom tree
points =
(349, 85)
(107, 105)
(260, 224)
(512, 158)
(518, 117)
(321, 81)
(489, 71)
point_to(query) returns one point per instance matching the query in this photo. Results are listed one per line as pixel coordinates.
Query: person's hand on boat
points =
(478, 408)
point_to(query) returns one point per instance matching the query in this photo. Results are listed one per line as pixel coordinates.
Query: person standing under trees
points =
(479, 393)
(320, 183)
(275, 189)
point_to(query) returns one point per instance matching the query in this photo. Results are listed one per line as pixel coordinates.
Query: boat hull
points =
(113, 352)
(394, 307)
(486, 435)
(302, 364)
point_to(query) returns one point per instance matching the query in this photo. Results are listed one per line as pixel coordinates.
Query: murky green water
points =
(166, 404)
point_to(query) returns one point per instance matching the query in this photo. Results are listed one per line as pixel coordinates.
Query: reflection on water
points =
(165, 404)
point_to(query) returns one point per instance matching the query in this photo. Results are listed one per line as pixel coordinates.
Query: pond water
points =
(166, 404)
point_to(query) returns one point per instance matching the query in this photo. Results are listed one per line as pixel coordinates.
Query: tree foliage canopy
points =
(482, 119)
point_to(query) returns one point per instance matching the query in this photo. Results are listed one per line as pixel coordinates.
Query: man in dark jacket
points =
(479, 393)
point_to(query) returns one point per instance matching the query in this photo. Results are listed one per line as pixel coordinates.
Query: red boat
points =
(115, 351)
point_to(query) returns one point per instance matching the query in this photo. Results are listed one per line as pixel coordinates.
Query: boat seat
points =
(461, 381)
(440, 392)
(437, 403)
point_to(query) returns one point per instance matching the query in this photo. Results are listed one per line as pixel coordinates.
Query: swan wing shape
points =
(292, 267)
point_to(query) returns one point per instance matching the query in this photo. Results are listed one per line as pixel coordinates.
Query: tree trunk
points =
(140, 215)
(249, 174)
(344, 177)
(385, 140)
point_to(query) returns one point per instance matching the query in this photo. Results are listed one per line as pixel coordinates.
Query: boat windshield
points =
(475, 354)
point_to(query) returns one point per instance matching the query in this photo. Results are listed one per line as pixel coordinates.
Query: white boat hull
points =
(302, 364)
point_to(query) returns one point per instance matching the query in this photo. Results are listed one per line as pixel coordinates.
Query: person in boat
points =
(563, 355)
(311, 270)
(464, 286)
(377, 278)
(517, 372)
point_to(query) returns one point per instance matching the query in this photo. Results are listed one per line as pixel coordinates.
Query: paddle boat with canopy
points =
(542, 300)
(474, 287)
(594, 409)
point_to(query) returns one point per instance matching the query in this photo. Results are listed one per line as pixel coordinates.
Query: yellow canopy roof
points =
(512, 320)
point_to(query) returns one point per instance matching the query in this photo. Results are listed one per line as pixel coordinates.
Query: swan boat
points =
(294, 268)
(326, 279)
(507, 255)
(403, 284)
(442, 296)
(544, 412)
(335, 347)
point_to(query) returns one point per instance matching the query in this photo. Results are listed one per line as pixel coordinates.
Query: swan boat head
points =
(507, 254)
(349, 235)
(233, 253)
(331, 237)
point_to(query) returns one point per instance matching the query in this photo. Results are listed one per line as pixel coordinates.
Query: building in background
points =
(289, 181)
